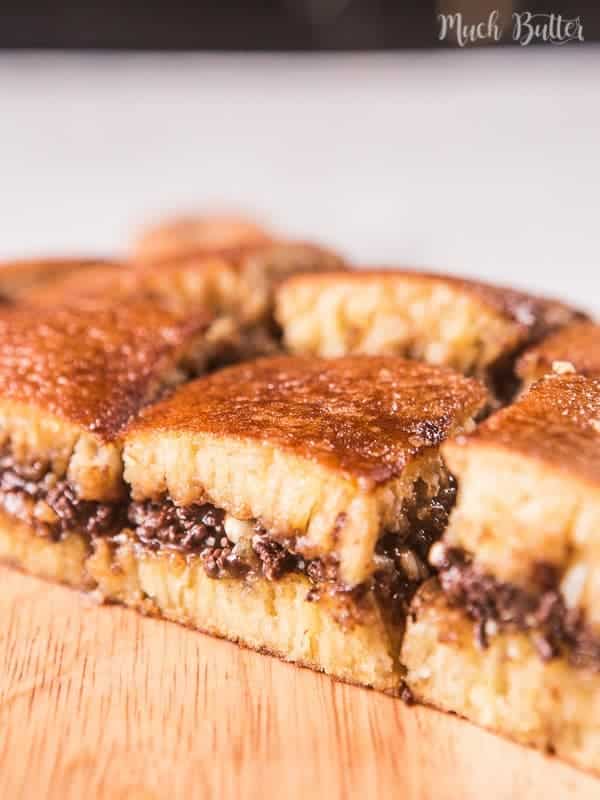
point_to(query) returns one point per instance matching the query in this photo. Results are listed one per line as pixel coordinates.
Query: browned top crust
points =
(100, 281)
(205, 283)
(93, 366)
(185, 236)
(18, 277)
(363, 416)
(535, 315)
(557, 422)
(577, 344)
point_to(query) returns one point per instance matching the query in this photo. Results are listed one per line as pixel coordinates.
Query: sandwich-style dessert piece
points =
(471, 326)
(18, 278)
(289, 504)
(575, 348)
(509, 634)
(505, 687)
(70, 380)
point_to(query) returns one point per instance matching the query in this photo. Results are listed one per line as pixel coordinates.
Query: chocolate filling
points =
(197, 531)
(34, 495)
(495, 606)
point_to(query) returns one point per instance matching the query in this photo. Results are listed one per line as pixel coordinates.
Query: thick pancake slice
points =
(290, 504)
(71, 379)
(509, 636)
(504, 686)
(529, 489)
(256, 496)
(287, 504)
(473, 327)
(270, 616)
(575, 348)
(326, 454)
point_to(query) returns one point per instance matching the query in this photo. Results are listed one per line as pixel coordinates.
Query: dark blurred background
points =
(251, 25)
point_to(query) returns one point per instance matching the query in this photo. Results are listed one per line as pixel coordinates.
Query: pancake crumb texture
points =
(505, 687)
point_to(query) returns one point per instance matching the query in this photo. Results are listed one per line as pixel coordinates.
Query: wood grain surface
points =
(97, 702)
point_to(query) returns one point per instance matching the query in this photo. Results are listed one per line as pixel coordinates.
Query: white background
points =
(484, 163)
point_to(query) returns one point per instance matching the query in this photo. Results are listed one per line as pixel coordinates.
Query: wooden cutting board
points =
(97, 702)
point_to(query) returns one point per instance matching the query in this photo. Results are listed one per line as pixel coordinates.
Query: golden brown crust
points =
(94, 366)
(99, 281)
(20, 276)
(557, 423)
(534, 315)
(365, 417)
(188, 286)
(577, 345)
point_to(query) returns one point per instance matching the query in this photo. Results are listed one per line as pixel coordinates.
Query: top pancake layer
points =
(365, 417)
(110, 280)
(577, 344)
(557, 423)
(94, 366)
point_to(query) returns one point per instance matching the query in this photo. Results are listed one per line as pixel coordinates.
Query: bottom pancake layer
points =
(269, 616)
(505, 687)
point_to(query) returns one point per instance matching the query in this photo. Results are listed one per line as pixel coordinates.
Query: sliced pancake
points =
(473, 327)
(326, 454)
(529, 480)
(289, 505)
(509, 634)
(72, 378)
(505, 686)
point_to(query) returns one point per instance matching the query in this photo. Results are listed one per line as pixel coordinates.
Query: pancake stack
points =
(390, 476)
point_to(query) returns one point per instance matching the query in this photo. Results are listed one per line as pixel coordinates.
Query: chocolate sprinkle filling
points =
(197, 531)
(34, 495)
(496, 606)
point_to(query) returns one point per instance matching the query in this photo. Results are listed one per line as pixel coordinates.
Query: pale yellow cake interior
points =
(507, 687)
(432, 321)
